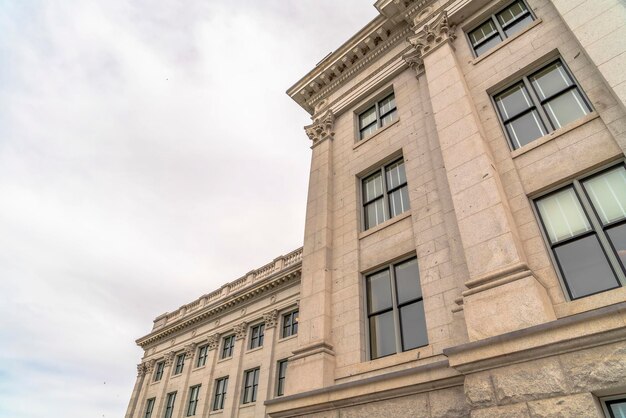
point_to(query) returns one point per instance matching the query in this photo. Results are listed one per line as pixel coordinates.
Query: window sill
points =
(378, 132)
(554, 134)
(222, 360)
(247, 405)
(388, 363)
(252, 350)
(505, 42)
(195, 369)
(589, 303)
(155, 382)
(218, 412)
(176, 376)
(291, 337)
(385, 224)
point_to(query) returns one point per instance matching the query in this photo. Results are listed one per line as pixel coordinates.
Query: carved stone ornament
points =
(213, 341)
(150, 366)
(415, 61)
(322, 128)
(241, 330)
(431, 35)
(190, 350)
(270, 318)
(169, 358)
(141, 369)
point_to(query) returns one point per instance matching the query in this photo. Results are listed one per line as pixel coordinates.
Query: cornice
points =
(235, 299)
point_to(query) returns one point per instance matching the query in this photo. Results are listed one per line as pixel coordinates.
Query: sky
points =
(148, 155)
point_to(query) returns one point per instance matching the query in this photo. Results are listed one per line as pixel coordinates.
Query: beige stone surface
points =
(581, 405)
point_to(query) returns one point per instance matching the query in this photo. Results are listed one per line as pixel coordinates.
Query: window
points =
(395, 309)
(290, 324)
(180, 363)
(251, 382)
(256, 336)
(228, 346)
(381, 114)
(203, 353)
(169, 405)
(282, 373)
(385, 194)
(585, 226)
(194, 392)
(616, 408)
(540, 103)
(158, 371)
(220, 393)
(500, 26)
(149, 408)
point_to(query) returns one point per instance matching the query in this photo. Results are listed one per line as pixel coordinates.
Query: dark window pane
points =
(550, 80)
(387, 104)
(519, 25)
(373, 187)
(408, 281)
(378, 291)
(413, 326)
(585, 267)
(382, 335)
(374, 213)
(395, 174)
(525, 129)
(512, 12)
(367, 117)
(565, 108)
(398, 201)
(483, 32)
(618, 408)
(487, 45)
(617, 235)
(607, 192)
(513, 101)
(389, 117)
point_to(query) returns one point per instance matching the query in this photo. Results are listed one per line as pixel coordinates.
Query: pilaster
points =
(268, 362)
(503, 293)
(167, 369)
(207, 382)
(137, 390)
(235, 379)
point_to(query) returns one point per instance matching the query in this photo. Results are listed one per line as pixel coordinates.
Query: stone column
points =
(235, 379)
(132, 406)
(314, 357)
(190, 351)
(503, 295)
(268, 362)
(208, 383)
(158, 411)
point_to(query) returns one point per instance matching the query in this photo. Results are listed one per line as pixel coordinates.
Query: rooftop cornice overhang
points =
(386, 30)
(281, 278)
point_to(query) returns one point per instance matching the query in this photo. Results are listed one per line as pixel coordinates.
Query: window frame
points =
(395, 307)
(597, 229)
(292, 327)
(281, 377)
(193, 400)
(379, 117)
(203, 355)
(608, 401)
(149, 407)
(179, 366)
(169, 409)
(381, 169)
(537, 104)
(230, 348)
(159, 368)
(256, 341)
(219, 394)
(500, 29)
(254, 387)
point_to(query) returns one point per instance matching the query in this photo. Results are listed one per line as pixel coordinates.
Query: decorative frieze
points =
(322, 128)
(270, 318)
(428, 37)
(213, 341)
(241, 330)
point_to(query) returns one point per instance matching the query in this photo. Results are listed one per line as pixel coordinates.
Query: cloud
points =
(148, 154)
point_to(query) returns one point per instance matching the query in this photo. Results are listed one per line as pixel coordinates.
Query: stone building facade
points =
(465, 240)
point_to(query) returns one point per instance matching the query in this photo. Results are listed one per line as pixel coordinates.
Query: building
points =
(465, 237)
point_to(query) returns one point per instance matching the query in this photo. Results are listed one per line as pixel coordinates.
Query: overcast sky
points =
(148, 154)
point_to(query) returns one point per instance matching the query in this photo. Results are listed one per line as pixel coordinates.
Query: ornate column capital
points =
(141, 370)
(415, 61)
(322, 128)
(271, 319)
(190, 350)
(241, 330)
(213, 341)
(428, 37)
(150, 366)
(169, 358)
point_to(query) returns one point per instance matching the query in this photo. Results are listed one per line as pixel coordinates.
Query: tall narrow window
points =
(381, 114)
(256, 336)
(585, 225)
(169, 404)
(149, 408)
(385, 194)
(280, 381)
(499, 26)
(194, 393)
(251, 383)
(228, 345)
(395, 309)
(290, 324)
(158, 371)
(180, 363)
(203, 353)
(221, 385)
(540, 103)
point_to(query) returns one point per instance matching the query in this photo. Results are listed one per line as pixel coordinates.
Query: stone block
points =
(508, 411)
(596, 368)
(581, 405)
(479, 390)
(527, 381)
(415, 406)
(448, 403)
